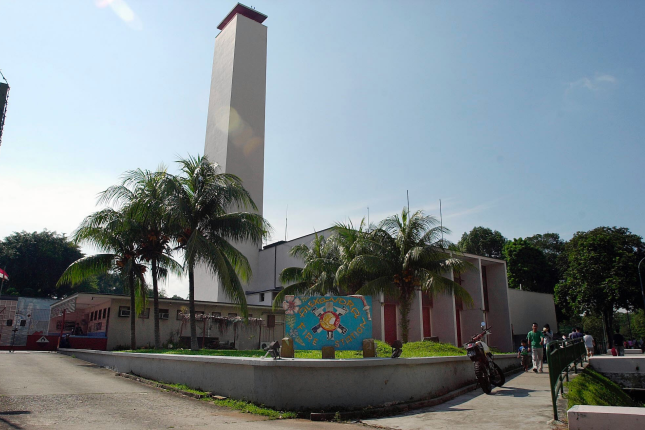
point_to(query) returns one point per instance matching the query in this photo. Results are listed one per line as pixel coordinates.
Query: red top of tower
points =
(245, 11)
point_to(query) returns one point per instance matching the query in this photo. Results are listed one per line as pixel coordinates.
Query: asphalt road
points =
(48, 390)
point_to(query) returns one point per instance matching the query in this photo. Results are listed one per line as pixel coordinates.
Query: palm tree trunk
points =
(155, 292)
(133, 312)
(191, 305)
(404, 306)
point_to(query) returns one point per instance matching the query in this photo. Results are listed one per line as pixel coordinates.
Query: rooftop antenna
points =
(441, 219)
(408, 194)
(286, 222)
(368, 218)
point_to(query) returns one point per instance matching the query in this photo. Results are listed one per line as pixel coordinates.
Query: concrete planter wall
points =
(627, 371)
(301, 384)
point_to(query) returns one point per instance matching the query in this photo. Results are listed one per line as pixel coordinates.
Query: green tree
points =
(527, 267)
(601, 277)
(35, 261)
(483, 241)
(321, 261)
(201, 204)
(553, 248)
(116, 235)
(143, 195)
(405, 253)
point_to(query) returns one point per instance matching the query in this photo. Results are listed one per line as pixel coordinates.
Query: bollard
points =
(369, 349)
(328, 352)
(286, 350)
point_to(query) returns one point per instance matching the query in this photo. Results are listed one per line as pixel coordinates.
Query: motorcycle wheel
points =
(481, 374)
(497, 375)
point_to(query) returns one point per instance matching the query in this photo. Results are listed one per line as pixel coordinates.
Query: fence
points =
(561, 354)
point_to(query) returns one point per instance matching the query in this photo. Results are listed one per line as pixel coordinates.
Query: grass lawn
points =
(238, 404)
(591, 388)
(411, 349)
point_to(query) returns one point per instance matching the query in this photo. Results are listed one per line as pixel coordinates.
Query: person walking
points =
(548, 337)
(536, 342)
(619, 343)
(589, 344)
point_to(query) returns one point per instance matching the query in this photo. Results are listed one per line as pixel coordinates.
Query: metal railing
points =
(561, 354)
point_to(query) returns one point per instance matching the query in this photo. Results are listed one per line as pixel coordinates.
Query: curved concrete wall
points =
(302, 384)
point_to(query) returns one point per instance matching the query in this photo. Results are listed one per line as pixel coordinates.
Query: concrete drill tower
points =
(235, 125)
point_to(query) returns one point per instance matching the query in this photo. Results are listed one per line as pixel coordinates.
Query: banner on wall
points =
(339, 321)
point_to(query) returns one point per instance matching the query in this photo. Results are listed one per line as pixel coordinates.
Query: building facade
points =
(102, 321)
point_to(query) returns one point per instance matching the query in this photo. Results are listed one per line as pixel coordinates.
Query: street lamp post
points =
(640, 278)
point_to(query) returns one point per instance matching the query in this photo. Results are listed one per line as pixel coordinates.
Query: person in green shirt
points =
(536, 342)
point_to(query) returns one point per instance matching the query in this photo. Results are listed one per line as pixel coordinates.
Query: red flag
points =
(3, 275)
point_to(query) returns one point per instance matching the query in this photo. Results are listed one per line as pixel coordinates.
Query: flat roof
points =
(88, 299)
(245, 11)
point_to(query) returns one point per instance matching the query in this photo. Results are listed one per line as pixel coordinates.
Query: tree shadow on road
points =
(514, 392)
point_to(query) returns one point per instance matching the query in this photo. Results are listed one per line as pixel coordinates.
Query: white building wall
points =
(527, 307)
(235, 125)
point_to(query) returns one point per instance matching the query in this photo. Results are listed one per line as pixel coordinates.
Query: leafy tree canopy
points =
(602, 275)
(528, 267)
(483, 241)
(35, 261)
(553, 248)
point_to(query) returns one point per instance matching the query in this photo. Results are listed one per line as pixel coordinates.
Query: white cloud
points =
(593, 84)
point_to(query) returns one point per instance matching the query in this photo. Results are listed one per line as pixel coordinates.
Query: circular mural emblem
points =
(329, 321)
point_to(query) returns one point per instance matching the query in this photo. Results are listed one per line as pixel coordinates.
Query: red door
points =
(426, 322)
(389, 313)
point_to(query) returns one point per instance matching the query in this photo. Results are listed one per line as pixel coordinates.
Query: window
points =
(250, 315)
(104, 313)
(216, 314)
(91, 316)
(232, 315)
(145, 314)
(10, 323)
(163, 314)
(179, 315)
(270, 321)
(261, 297)
(124, 311)
(23, 323)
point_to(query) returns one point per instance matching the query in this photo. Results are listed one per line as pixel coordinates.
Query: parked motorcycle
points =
(488, 373)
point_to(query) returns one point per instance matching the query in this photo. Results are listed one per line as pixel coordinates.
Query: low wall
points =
(585, 417)
(627, 371)
(302, 384)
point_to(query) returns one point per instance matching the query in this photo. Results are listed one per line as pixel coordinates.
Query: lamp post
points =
(640, 278)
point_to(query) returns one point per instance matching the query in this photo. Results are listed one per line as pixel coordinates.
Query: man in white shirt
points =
(589, 343)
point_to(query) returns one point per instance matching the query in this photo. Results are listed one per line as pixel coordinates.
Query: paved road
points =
(45, 390)
(523, 403)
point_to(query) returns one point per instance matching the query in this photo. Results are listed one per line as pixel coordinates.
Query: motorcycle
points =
(488, 373)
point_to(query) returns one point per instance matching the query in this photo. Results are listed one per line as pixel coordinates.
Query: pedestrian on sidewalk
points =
(619, 343)
(523, 353)
(589, 344)
(548, 337)
(536, 342)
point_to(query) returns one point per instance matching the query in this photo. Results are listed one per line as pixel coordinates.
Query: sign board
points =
(339, 321)
(42, 339)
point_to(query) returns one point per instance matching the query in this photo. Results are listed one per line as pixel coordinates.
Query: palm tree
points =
(405, 253)
(201, 204)
(321, 260)
(114, 233)
(142, 195)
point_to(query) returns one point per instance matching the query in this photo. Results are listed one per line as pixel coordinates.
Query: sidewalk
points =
(524, 402)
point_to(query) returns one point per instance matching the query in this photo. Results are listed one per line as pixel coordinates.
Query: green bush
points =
(591, 388)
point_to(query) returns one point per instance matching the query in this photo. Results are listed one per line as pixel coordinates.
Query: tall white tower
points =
(235, 125)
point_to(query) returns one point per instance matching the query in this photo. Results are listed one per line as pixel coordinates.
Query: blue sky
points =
(525, 117)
